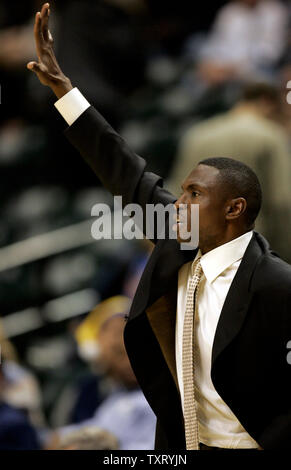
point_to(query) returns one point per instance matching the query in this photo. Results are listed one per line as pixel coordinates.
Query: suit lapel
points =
(161, 308)
(159, 274)
(237, 301)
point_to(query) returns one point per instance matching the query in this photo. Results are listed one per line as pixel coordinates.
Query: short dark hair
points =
(240, 181)
(255, 91)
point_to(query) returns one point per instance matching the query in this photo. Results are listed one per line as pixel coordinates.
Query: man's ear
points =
(235, 208)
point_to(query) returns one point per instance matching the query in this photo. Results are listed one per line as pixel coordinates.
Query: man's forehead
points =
(202, 175)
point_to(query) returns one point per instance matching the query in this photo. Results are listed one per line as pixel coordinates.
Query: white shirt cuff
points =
(72, 105)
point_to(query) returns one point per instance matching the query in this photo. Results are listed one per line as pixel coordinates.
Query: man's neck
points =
(223, 241)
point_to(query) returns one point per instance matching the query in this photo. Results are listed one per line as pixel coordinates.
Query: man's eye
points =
(195, 193)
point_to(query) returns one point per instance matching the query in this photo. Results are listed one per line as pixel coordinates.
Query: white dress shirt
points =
(72, 105)
(218, 426)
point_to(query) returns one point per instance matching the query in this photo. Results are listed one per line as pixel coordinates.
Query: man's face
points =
(203, 187)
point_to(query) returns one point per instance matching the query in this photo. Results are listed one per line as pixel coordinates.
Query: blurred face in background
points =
(1, 381)
(251, 3)
(113, 357)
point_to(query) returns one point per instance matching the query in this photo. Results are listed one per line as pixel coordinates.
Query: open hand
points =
(47, 68)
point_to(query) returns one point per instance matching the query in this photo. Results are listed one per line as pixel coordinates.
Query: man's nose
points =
(181, 200)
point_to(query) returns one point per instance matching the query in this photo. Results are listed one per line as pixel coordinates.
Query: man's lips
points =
(179, 224)
(180, 220)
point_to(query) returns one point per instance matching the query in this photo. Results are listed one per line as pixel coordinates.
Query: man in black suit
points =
(242, 377)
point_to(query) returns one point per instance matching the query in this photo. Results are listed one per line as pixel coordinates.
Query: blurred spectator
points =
(125, 412)
(249, 133)
(17, 46)
(93, 388)
(19, 388)
(87, 333)
(88, 439)
(86, 392)
(247, 39)
(16, 433)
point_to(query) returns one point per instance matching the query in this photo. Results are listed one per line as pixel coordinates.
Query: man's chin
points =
(185, 240)
(183, 237)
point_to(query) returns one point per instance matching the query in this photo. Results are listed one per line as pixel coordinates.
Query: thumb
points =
(34, 67)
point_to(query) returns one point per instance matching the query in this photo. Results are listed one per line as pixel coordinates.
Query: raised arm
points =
(120, 170)
(47, 68)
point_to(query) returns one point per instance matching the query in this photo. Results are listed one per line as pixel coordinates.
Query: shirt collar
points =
(219, 259)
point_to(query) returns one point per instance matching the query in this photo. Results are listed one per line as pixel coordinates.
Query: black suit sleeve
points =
(119, 169)
(277, 434)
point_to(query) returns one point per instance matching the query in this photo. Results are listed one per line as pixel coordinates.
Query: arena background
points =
(138, 62)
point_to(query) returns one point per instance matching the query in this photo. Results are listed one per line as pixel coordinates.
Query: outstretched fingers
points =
(41, 32)
(38, 34)
(44, 15)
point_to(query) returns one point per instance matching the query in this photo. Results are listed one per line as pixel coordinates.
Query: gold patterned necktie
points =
(188, 361)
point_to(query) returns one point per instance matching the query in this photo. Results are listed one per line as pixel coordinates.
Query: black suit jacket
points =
(249, 356)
